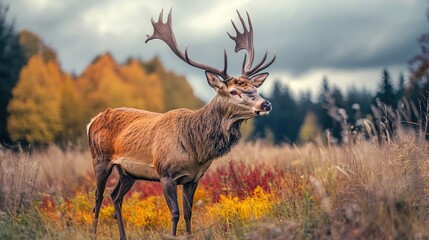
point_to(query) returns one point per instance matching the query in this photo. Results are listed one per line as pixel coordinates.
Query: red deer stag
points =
(178, 146)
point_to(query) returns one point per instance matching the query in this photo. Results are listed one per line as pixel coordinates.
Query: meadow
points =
(360, 190)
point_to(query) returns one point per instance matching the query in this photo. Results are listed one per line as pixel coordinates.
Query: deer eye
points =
(233, 92)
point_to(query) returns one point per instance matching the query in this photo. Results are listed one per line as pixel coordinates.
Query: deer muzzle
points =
(264, 108)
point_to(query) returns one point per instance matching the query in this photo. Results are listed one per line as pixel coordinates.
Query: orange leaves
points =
(48, 105)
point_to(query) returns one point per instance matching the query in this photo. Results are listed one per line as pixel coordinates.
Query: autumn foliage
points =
(259, 191)
(35, 95)
(253, 198)
(50, 105)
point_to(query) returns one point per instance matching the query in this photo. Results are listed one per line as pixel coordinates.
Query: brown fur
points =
(178, 143)
(175, 148)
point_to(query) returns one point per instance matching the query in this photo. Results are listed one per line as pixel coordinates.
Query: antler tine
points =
(257, 65)
(244, 64)
(164, 32)
(236, 30)
(242, 21)
(250, 22)
(161, 14)
(244, 41)
(225, 61)
(257, 68)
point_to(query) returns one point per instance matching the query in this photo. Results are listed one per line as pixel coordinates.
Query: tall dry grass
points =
(24, 176)
(360, 190)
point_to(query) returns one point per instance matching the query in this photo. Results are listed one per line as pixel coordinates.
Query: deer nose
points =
(266, 106)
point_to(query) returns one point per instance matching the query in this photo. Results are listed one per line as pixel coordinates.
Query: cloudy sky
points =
(349, 41)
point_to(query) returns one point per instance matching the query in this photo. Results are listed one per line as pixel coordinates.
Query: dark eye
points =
(233, 92)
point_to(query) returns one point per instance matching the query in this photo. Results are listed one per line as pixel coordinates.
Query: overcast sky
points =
(349, 41)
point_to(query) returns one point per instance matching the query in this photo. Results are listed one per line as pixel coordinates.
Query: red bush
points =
(240, 179)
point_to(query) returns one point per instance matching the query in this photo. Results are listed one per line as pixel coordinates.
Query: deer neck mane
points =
(212, 131)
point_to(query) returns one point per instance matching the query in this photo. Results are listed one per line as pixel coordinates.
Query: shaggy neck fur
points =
(213, 130)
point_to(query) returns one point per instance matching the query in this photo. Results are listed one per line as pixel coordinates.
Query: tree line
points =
(305, 118)
(396, 106)
(40, 103)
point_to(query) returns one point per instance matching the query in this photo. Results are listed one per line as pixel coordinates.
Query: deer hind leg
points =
(188, 199)
(122, 187)
(169, 187)
(102, 173)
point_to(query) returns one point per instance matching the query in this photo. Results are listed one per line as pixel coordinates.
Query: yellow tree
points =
(33, 45)
(71, 111)
(101, 86)
(147, 88)
(177, 91)
(34, 115)
(309, 129)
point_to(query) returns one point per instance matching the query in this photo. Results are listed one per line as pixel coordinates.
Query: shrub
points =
(239, 179)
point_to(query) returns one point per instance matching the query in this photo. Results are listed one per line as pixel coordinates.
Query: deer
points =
(176, 147)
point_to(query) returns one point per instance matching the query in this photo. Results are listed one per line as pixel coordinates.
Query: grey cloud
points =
(306, 35)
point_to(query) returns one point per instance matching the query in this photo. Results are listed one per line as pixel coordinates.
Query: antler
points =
(245, 41)
(164, 32)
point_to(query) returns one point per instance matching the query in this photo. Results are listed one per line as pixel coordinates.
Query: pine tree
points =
(400, 93)
(325, 121)
(284, 122)
(358, 103)
(12, 59)
(386, 92)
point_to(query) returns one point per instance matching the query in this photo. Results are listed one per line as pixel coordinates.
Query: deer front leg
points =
(188, 199)
(169, 188)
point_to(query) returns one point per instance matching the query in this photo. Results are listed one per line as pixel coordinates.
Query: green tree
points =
(325, 121)
(358, 104)
(283, 121)
(35, 107)
(386, 92)
(327, 109)
(12, 59)
(400, 93)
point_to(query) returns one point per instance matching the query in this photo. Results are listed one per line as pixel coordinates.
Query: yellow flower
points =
(252, 207)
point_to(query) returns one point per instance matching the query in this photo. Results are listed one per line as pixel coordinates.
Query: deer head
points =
(241, 91)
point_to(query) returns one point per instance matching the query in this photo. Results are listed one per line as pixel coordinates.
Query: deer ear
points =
(214, 81)
(259, 79)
